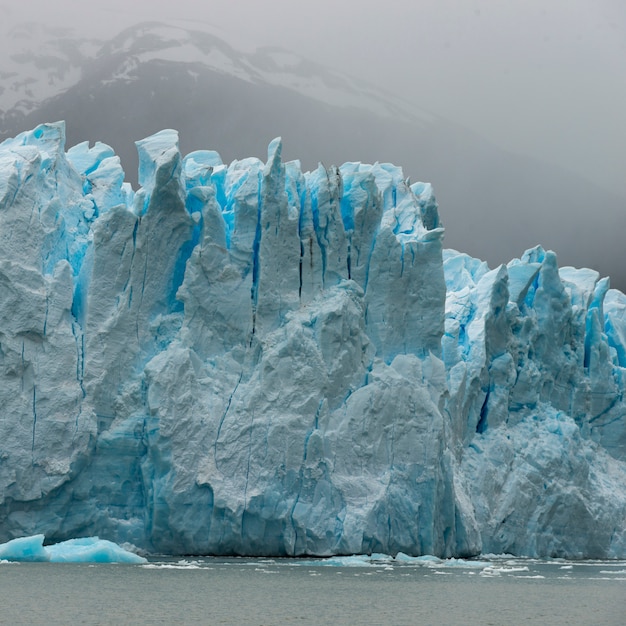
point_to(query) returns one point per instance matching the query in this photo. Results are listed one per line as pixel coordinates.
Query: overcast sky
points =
(542, 77)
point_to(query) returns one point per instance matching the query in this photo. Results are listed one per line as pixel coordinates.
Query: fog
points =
(541, 79)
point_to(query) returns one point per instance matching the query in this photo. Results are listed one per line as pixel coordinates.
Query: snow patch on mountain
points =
(45, 63)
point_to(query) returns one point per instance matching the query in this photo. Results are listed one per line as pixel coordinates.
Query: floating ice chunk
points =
(84, 550)
(467, 563)
(401, 557)
(25, 549)
(91, 550)
(428, 560)
(357, 560)
(494, 570)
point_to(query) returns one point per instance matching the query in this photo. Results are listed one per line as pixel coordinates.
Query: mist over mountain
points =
(494, 204)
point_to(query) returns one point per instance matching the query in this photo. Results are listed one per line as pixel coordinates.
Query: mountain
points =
(152, 77)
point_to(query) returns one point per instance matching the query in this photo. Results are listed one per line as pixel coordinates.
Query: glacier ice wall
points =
(249, 359)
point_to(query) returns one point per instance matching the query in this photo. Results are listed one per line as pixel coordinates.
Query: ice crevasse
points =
(249, 359)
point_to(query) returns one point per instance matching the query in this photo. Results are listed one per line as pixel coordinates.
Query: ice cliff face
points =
(248, 359)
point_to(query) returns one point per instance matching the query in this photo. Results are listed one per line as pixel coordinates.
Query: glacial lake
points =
(343, 591)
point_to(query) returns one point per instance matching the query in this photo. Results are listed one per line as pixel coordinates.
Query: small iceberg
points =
(84, 550)
(24, 549)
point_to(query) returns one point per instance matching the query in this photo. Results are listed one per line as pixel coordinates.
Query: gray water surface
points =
(355, 590)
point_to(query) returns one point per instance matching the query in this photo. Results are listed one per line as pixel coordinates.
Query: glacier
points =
(248, 359)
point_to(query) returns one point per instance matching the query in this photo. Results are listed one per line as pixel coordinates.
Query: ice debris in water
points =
(249, 359)
(84, 550)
